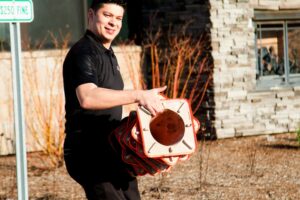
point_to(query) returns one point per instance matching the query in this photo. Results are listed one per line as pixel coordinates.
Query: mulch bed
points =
(260, 167)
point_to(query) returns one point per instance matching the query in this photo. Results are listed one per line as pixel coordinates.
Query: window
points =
(277, 52)
(63, 20)
(59, 21)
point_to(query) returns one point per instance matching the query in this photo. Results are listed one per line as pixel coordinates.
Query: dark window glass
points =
(60, 23)
(294, 47)
(278, 53)
(270, 52)
(56, 23)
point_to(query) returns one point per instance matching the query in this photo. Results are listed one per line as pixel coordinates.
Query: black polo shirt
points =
(88, 61)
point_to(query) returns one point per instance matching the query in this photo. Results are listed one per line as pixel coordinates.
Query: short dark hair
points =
(96, 4)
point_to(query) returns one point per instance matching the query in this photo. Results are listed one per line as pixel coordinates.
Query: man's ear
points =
(91, 14)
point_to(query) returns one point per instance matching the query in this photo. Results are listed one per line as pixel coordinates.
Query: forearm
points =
(96, 98)
(102, 98)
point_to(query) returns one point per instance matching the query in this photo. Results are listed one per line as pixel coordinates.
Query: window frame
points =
(268, 18)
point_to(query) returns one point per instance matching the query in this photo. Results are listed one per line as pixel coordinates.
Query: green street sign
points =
(16, 11)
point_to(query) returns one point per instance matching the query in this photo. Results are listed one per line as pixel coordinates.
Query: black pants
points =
(113, 190)
(102, 176)
(99, 185)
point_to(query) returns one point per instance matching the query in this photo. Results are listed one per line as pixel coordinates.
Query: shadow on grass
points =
(291, 139)
(281, 146)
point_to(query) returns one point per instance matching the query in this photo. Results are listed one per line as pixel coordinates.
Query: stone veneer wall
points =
(240, 109)
(45, 63)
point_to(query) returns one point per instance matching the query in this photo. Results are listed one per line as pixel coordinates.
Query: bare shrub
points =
(44, 101)
(181, 62)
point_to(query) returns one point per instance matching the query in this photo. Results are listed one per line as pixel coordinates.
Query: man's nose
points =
(112, 22)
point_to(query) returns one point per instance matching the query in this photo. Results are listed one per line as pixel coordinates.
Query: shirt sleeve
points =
(84, 70)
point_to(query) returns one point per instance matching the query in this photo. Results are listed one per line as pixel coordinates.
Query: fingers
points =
(162, 97)
(161, 89)
(158, 107)
(152, 111)
(154, 107)
(151, 100)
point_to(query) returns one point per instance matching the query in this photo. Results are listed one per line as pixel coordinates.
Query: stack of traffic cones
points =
(151, 145)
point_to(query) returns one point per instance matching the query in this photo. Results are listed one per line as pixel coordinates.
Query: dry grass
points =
(45, 110)
(221, 169)
(45, 103)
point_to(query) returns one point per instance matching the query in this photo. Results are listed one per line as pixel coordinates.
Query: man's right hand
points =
(150, 99)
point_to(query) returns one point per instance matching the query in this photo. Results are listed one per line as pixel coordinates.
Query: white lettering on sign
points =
(7, 10)
(16, 10)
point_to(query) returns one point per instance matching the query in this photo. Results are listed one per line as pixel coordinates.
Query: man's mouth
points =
(110, 31)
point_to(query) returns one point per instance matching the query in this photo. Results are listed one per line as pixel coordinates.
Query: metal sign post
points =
(14, 12)
(18, 111)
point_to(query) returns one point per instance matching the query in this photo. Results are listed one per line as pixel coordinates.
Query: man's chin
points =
(106, 39)
(109, 38)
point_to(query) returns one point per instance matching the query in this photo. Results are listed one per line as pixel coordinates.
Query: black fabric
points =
(115, 190)
(90, 62)
(88, 156)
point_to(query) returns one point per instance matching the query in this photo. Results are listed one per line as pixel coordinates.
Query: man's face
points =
(106, 22)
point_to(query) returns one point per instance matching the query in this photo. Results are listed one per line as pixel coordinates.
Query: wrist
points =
(137, 96)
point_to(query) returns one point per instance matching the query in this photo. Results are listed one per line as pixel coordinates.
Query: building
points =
(254, 46)
(256, 71)
(256, 66)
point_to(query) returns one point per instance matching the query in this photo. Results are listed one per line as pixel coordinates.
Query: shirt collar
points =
(97, 40)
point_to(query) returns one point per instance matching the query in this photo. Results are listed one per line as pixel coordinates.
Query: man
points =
(94, 97)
